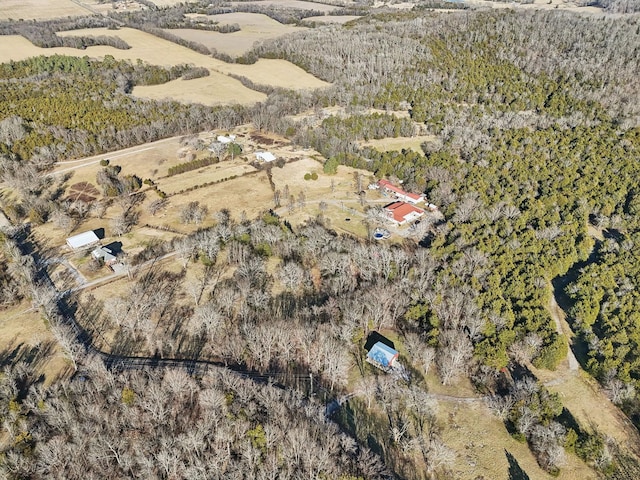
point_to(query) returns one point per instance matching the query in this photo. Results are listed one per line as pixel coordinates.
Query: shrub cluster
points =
(192, 165)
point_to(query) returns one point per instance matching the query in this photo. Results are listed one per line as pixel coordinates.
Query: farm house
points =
(105, 254)
(401, 212)
(382, 355)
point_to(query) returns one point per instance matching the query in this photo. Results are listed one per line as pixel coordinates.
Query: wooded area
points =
(535, 122)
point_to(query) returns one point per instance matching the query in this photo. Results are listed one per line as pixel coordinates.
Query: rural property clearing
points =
(399, 143)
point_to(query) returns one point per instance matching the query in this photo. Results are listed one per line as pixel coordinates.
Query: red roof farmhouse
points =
(401, 212)
(389, 188)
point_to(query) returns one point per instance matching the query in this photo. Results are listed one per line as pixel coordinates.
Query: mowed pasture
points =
(254, 27)
(399, 143)
(40, 9)
(218, 88)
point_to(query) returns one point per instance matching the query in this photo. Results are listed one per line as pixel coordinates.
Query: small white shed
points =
(265, 156)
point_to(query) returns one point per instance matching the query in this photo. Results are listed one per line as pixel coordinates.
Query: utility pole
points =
(310, 384)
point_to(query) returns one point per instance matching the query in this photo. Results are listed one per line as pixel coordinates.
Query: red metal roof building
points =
(401, 212)
(387, 187)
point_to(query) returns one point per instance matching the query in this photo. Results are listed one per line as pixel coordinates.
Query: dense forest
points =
(169, 425)
(535, 126)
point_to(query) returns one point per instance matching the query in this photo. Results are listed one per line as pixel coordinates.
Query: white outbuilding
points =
(265, 156)
(83, 240)
(224, 139)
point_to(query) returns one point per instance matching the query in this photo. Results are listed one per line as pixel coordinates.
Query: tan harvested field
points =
(254, 27)
(299, 4)
(399, 143)
(162, 52)
(276, 73)
(206, 90)
(40, 9)
(483, 443)
(217, 88)
(332, 18)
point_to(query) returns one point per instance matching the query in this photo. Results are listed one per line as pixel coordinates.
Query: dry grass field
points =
(212, 173)
(150, 160)
(332, 18)
(254, 27)
(40, 9)
(399, 143)
(483, 443)
(584, 398)
(25, 337)
(276, 73)
(215, 89)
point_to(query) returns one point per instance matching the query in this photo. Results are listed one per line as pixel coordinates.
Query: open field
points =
(217, 88)
(25, 337)
(332, 18)
(150, 160)
(254, 27)
(40, 9)
(212, 173)
(299, 4)
(162, 52)
(584, 398)
(399, 143)
(486, 450)
(204, 90)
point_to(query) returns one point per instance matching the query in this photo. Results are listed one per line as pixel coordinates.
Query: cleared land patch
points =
(483, 443)
(399, 143)
(25, 337)
(254, 27)
(40, 9)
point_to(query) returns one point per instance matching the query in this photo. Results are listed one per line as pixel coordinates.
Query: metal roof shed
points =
(265, 156)
(382, 354)
(83, 239)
